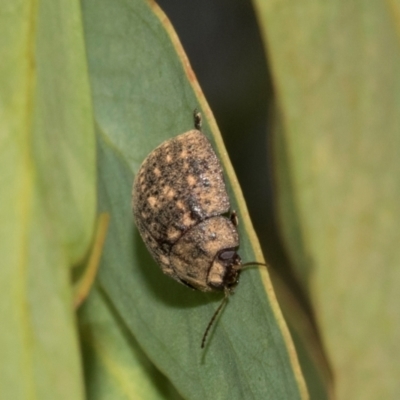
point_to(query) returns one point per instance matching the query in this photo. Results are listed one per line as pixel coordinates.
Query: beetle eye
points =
(227, 254)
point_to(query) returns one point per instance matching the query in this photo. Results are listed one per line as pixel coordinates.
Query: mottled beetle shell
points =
(179, 198)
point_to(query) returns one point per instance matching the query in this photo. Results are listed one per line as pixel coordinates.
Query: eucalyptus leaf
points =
(47, 195)
(115, 366)
(144, 92)
(336, 70)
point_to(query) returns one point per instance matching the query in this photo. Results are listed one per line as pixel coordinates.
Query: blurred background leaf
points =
(336, 71)
(47, 195)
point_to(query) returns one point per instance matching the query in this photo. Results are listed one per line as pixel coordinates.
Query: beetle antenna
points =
(252, 263)
(197, 119)
(212, 320)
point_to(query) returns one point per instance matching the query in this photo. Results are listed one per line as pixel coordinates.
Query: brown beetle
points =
(181, 209)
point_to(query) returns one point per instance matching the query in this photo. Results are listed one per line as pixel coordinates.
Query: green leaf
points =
(115, 366)
(336, 70)
(47, 195)
(144, 92)
(64, 148)
(312, 357)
